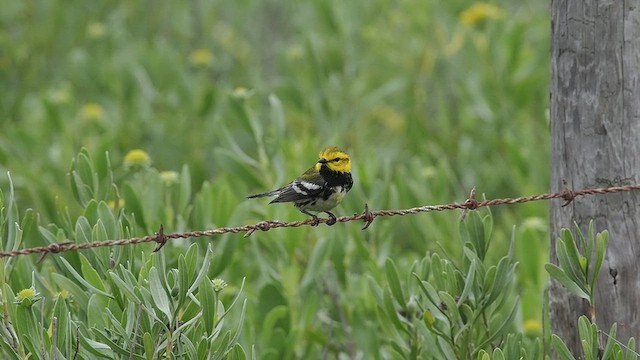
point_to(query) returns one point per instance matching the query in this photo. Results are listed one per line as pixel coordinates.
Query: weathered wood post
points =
(595, 131)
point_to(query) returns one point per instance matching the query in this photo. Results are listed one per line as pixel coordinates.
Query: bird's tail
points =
(264, 194)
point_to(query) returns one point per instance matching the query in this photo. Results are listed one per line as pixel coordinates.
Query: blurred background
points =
(431, 98)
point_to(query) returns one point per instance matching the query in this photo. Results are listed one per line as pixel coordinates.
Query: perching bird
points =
(320, 188)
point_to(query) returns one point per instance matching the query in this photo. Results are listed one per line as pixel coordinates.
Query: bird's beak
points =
(322, 161)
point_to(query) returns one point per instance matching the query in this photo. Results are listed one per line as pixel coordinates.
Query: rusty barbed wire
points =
(161, 238)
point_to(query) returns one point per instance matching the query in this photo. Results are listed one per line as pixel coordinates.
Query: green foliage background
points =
(234, 97)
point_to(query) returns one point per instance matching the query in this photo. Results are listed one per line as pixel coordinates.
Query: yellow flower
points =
(112, 204)
(65, 294)
(169, 177)
(201, 57)
(532, 326)
(218, 284)
(480, 12)
(92, 111)
(96, 29)
(137, 158)
(27, 297)
(26, 293)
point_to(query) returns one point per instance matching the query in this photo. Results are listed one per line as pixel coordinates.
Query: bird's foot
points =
(332, 219)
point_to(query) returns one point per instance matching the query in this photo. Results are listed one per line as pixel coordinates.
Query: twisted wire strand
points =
(367, 216)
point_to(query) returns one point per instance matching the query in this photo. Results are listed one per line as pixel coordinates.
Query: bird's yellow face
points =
(335, 159)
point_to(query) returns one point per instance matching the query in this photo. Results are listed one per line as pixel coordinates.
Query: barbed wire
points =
(367, 216)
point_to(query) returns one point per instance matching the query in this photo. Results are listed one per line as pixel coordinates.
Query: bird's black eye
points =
(337, 159)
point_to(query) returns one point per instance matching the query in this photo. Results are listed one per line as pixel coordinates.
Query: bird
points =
(319, 189)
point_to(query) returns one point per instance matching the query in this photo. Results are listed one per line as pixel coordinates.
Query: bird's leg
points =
(332, 218)
(316, 221)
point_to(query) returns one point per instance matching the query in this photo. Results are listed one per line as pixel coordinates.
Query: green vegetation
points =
(228, 98)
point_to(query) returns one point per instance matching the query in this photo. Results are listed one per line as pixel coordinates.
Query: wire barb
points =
(160, 238)
(54, 248)
(567, 194)
(471, 203)
(262, 225)
(367, 216)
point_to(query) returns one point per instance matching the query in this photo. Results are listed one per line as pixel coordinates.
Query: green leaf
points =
(571, 256)
(273, 316)
(102, 254)
(602, 240)
(204, 268)
(90, 274)
(320, 253)
(134, 205)
(445, 348)
(438, 272)
(105, 340)
(489, 279)
(79, 190)
(558, 274)
(394, 281)
(241, 321)
(191, 259)
(452, 307)
(159, 294)
(189, 350)
(571, 269)
(79, 295)
(392, 313)
(611, 340)
(84, 182)
(472, 231)
(149, 346)
(589, 335)
(483, 355)
(83, 230)
(28, 222)
(7, 349)
(108, 220)
(96, 348)
(630, 353)
(184, 197)
(504, 273)
(588, 247)
(81, 279)
(561, 348)
(504, 326)
(61, 313)
(183, 281)
(95, 311)
(209, 303)
(203, 348)
(468, 283)
(124, 288)
(220, 352)
(237, 352)
(498, 354)
(430, 292)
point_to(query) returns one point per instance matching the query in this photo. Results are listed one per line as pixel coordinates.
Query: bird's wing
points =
(310, 184)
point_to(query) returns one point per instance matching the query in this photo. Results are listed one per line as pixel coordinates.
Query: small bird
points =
(320, 188)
